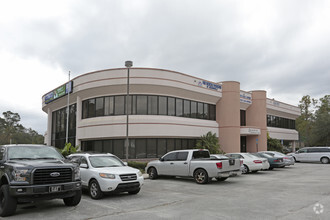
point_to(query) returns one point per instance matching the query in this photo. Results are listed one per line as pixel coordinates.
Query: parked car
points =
(34, 172)
(104, 173)
(224, 157)
(274, 162)
(288, 160)
(193, 163)
(312, 154)
(251, 163)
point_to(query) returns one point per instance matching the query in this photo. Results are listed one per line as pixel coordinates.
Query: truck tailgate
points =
(231, 164)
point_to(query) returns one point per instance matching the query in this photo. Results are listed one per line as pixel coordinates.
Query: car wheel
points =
(201, 176)
(8, 203)
(324, 160)
(222, 178)
(74, 200)
(245, 169)
(152, 173)
(95, 190)
(271, 168)
(255, 171)
(134, 191)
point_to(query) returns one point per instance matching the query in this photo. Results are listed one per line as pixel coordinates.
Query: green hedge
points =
(138, 165)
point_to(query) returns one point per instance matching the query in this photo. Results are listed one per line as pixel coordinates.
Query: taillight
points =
(219, 165)
(257, 161)
(287, 158)
(276, 160)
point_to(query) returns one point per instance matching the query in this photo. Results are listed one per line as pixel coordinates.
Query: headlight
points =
(20, 175)
(139, 173)
(77, 173)
(107, 175)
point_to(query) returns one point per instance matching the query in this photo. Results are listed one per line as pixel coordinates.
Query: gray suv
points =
(36, 172)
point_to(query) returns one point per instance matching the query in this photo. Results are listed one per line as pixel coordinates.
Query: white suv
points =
(102, 173)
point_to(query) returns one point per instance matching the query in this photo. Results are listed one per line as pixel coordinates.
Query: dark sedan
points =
(274, 162)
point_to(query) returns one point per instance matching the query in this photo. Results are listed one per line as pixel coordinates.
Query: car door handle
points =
(171, 163)
(185, 163)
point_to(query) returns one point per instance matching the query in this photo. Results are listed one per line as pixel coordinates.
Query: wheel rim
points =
(93, 190)
(324, 160)
(245, 170)
(200, 177)
(151, 173)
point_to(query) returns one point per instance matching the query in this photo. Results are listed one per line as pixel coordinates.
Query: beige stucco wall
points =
(228, 117)
(256, 116)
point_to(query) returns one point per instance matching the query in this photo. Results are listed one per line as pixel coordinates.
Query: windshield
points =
(105, 161)
(33, 153)
(267, 155)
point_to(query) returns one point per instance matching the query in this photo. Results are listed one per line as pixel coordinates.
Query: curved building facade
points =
(167, 110)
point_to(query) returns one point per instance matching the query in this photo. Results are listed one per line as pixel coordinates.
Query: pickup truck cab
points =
(193, 163)
(36, 172)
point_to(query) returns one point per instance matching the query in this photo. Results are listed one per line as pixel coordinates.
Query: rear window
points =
(201, 154)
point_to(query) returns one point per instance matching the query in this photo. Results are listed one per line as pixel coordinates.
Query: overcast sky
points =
(280, 46)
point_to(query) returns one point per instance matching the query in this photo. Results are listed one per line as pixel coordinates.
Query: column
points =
(256, 116)
(228, 117)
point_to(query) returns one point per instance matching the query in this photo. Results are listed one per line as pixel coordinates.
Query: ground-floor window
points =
(59, 126)
(139, 148)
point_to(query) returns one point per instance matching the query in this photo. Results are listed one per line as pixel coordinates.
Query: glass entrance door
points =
(243, 144)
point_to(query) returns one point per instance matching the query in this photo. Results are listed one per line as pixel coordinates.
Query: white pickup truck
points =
(193, 163)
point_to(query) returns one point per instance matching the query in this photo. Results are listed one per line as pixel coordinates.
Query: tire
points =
(95, 190)
(134, 192)
(201, 176)
(271, 168)
(74, 200)
(152, 173)
(245, 170)
(222, 178)
(255, 171)
(8, 203)
(324, 160)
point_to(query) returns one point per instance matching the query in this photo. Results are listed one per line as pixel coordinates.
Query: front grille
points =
(128, 177)
(123, 187)
(43, 176)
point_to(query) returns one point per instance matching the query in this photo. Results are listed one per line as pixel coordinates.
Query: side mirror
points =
(84, 166)
(161, 159)
(125, 163)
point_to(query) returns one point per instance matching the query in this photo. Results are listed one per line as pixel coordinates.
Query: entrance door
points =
(243, 144)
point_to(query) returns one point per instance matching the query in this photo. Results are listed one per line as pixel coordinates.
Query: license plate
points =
(54, 188)
(231, 162)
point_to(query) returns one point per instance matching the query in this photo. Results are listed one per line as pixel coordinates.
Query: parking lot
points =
(301, 191)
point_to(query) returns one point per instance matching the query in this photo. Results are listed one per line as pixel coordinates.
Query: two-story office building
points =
(167, 110)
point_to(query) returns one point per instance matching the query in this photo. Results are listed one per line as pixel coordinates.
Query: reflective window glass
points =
(119, 105)
(141, 102)
(162, 105)
(99, 107)
(171, 106)
(179, 107)
(152, 105)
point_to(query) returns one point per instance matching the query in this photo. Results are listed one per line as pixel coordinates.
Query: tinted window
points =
(152, 105)
(179, 107)
(186, 108)
(170, 157)
(108, 105)
(201, 154)
(99, 107)
(152, 148)
(171, 106)
(212, 112)
(200, 110)
(193, 109)
(162, 105)
(182, 155)
(141, 148)
(119, 105)
(141, 102)
(91, 108)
